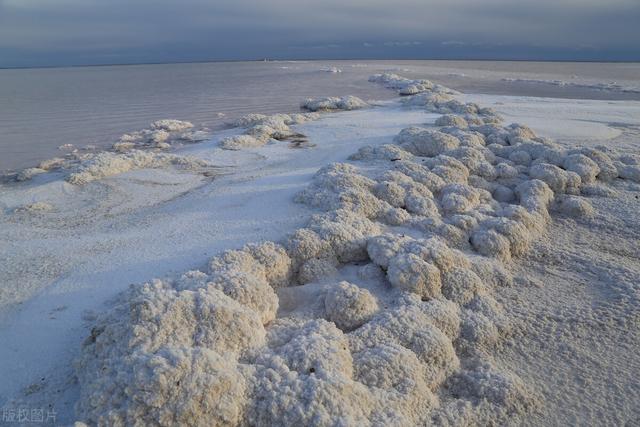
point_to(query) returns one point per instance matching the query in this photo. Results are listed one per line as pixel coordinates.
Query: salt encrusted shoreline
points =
(427, 223)
(136, 150)
(606, 87)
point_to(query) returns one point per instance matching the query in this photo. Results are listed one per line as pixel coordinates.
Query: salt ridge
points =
(429, 222)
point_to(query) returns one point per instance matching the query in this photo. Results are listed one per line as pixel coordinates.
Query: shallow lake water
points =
(43, 109)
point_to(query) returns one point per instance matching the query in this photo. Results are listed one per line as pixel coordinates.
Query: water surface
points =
(43, 109)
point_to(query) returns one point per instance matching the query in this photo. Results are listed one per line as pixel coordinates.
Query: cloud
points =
(402, 43)
(453, 43)
(95, 31)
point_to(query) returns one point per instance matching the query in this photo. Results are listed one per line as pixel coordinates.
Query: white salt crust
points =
(261, 129)
(429, 220)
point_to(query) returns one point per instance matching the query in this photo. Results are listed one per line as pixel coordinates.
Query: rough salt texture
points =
(261, 129)
(439, 99)
(427, 220)
(160, 134)
(426, 142)
(349, 306)
(106, 164)
(452, 120)
(345, 103)
(406, 86)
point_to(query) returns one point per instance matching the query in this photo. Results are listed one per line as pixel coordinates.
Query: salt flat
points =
(67, 262)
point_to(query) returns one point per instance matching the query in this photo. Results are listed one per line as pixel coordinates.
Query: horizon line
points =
(213, 61)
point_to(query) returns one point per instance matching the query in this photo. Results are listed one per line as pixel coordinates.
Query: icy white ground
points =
(521, 335)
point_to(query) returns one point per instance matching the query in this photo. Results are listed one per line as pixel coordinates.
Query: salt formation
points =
(260, 129)
(157, 347)
(331, 103)
(83, 168)
(573, 206)
(161, 134)
(53, 163)
(29, 173)
(426, 142)
(439, 99)
(452, 120)
(382, 152)
(44, 167)
(349, 306)
(107, 164)
(628, 168)
(428, 221)
(406, 86)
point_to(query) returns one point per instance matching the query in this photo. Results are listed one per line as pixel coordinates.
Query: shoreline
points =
(33, 133)
(327, 59)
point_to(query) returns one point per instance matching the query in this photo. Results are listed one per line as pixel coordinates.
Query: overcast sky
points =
(67, 32)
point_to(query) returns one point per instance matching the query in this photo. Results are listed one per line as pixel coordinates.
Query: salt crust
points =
(434, 217)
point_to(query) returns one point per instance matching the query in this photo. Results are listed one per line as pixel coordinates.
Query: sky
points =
(77, 32)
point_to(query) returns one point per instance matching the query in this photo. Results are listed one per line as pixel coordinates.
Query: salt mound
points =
(349, 306)
(452, 120)
(82, 168)
(160, 134)
(261, 129)
(559, 180)
(107, 164)
(483, 384)
(305, 377)
(345, 103)
(426, 142)
(628, 171)
(574, 206)
(409, 272)
(156, 334)
(438, 99)
(173, 386)
(238, 142)
(411, 328)
(170, 125)
(250, 275)
(382, 152)
(275, 121)
(250, 120)
(53, 163)
(403, 85)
